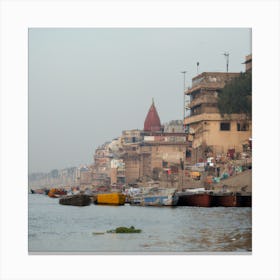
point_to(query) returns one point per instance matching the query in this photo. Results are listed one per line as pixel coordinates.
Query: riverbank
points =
(237, 183)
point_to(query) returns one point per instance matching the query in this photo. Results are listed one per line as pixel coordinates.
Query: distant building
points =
(86, 176)
(55, 178)
(131, 136)
(102, 165)
(174, 126)
(117, 172)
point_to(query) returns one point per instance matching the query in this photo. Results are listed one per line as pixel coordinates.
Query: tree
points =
(236, 96)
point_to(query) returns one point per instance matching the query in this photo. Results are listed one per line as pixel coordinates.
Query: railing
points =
(203, 99)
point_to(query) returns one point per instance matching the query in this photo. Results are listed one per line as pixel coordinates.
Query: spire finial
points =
(153, 103)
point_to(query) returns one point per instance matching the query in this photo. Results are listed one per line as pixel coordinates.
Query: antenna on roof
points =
(197, 65)
(226, 54)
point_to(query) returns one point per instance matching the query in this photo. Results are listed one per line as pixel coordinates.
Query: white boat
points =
(157, 197)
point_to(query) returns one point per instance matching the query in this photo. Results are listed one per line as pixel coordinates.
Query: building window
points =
(225, 126)
(243, 126)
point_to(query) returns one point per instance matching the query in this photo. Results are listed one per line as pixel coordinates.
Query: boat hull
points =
(160, 200)
(246, 200)
(195, 199)
(226, 200)
(231, 200)
(76, 200)
(110, 198)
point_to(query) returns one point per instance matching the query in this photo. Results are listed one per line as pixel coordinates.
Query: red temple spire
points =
(152, 121)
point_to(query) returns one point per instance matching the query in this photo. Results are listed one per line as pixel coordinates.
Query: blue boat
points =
(161, 197)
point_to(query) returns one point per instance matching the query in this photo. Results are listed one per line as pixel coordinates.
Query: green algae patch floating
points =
(131, 229)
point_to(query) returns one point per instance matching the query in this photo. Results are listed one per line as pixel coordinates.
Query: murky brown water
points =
(58, 228)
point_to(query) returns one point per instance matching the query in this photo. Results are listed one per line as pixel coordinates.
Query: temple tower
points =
(152, 121)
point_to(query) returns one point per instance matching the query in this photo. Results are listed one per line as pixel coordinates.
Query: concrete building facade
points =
(209, 132)
(102, 165)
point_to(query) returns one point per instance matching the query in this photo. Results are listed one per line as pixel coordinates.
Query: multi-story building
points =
(207, 129)
(131, 136)
(117, 172)
(248, 63)
(102, 165)
(85, 176)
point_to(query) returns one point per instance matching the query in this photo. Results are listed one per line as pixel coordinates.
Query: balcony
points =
(203, 99)
(202, 117)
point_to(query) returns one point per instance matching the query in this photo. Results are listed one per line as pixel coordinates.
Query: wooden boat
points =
(226, 199)
(231, 199)
(246, 199)
(76, 200)
(110, 198)
(156, 197)
(194, 197)
(202, 198)
(56, 192)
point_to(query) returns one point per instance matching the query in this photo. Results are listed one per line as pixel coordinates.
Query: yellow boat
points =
(110, 198)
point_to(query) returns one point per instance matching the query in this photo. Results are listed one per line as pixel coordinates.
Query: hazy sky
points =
(88, 85)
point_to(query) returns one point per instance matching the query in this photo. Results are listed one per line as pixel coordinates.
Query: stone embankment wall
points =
(239, 182)
(236, 183)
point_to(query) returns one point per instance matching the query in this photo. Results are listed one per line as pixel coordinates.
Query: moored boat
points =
(195, 197)
(76, 200)
(136, 199)
(110, 198)
(159, 200)
(226, 199)
(157, 197)
(246, 199)
(56, 192)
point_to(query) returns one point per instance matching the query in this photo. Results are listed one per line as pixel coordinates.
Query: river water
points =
(59, 228)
